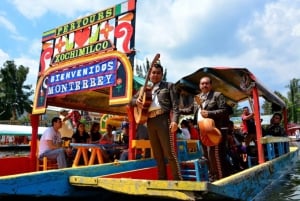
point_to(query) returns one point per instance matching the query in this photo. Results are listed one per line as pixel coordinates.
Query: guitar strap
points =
(204, 100)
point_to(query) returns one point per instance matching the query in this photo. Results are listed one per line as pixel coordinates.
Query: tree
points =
(237, 111)
(142, 71)
(267, 107)
(294, 100)
(14, 95)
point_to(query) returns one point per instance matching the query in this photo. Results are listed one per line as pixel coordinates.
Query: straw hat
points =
(209, 134)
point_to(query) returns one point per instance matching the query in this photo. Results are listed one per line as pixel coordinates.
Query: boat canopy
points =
(19, 130)
(234, 83)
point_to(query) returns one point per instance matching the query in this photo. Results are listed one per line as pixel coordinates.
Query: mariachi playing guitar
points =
(141, 113)
(209, 134)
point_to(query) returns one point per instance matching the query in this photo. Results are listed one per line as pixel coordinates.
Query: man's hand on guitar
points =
(173, 127)
(139, 103)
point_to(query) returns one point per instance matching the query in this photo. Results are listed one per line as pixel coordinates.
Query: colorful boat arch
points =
(113, 92)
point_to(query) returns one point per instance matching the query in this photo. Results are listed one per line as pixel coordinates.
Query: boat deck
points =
(257, 179)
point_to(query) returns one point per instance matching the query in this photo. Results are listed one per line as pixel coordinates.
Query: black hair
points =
(277, 114)
(210, 80)
(157, 65)
(55, 119)
(185, 123)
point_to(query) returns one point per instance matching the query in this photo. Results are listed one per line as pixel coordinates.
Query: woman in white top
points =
(185, 129)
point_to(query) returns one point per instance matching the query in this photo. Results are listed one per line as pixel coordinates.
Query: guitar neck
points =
(156, 58)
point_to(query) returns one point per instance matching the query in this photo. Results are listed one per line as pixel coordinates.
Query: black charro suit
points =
(162, 141)
(214, 102)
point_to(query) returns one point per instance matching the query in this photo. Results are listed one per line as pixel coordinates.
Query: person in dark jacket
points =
(212, 104)
(275, 129)
(162, 122)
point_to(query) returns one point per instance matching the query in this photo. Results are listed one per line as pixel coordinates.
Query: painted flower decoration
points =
(119, 84)
(105, 31)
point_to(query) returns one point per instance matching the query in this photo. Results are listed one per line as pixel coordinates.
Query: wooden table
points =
(82, 151)
(95, 151)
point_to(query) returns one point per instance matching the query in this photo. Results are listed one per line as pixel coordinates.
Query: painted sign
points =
(82, 78)
(102, 31)
(93, 48)
(76, 46)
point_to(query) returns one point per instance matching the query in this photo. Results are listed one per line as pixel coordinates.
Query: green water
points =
(285, 188)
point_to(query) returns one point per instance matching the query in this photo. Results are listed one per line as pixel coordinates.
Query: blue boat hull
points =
(244, 185)
(247, 184)
(56, 182)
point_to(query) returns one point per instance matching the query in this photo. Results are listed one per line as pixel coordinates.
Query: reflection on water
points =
(19, 151)
(285, 188)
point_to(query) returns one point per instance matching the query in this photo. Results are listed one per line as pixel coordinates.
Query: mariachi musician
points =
(212, 117)
(162, 119)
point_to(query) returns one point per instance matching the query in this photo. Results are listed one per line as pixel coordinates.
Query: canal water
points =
(284, 188)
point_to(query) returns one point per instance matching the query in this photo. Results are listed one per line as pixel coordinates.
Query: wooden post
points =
(34, 138)
(132, 132)
(256, 111)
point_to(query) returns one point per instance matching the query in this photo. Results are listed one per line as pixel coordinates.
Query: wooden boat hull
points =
(136, 178)
(244, 185)
(294, 138)
(56, 182)
(247, 184)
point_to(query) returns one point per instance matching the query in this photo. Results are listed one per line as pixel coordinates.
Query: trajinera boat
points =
(88, 65)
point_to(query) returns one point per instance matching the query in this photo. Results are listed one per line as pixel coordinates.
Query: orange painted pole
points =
(256, 107)
(34, 138)
(132, 132)
(285, 119)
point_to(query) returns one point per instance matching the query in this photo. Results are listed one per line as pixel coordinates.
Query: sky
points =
(263, 36)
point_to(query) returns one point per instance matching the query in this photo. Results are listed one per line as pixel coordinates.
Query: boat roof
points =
(235, 83)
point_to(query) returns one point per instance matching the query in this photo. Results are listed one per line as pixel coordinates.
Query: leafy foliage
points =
(294, 100)
(14, 94)
(142, 70)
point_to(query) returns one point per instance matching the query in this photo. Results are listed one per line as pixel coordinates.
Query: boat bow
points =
(182, 190)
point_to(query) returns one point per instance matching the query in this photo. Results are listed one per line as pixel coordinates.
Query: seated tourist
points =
(51, 144)
(275, 128)
(193, 131)
(95, 132)
(107, 140)
(108, 137)
(185, 129)
(80, 136)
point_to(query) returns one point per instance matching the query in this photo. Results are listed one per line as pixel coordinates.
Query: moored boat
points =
(294, 132)
(136, 177)
(15, 139)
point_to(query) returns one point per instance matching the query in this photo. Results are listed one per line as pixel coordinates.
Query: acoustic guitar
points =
(145, 94)
(209, 134)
